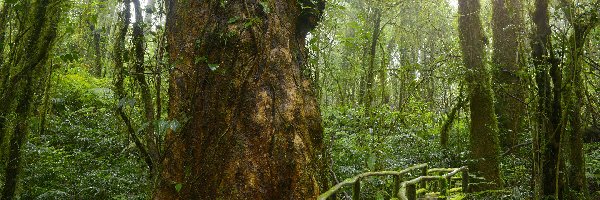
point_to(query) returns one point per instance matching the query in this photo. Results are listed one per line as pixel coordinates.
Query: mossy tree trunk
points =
(119, 53)
(509, 93)
(4, 74)
(150, 137)
(251, 126)
(484, 128)
(547, 139)
(450, 118)
(370, 78)
(28, 64)
(583, 23)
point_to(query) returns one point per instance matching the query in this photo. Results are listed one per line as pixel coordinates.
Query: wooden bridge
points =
(443, 180)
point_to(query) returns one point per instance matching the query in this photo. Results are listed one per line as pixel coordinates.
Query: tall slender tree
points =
(250, 123)
(484, 129)
(139, 50)
(546, 140)
(582, 22)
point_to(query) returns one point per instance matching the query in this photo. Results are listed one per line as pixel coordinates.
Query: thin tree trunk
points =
(251, 126)
(97, 70)
(483, 137)
(119, 50)
(370, 79)
(146, 96)
(444, 132)
(547, 139)
(574, 95)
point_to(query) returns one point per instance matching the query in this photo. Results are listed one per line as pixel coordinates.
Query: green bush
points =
(82, 154)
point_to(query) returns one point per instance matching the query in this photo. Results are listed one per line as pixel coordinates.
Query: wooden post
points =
(411, 191)
(396, 186)
(465, 180)
(424, 173)
(444, 186)
(356, 190)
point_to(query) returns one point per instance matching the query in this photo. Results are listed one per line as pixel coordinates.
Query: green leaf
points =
(213, 67)
(265, 6)
(371, 161)
(233, 20)
(178, 187)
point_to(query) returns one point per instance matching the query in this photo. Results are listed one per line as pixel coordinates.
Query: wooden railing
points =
(355, 181)
(406, 190)
(409, 188)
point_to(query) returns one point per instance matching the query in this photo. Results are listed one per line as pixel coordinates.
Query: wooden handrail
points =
(409, 191)
(356, 181)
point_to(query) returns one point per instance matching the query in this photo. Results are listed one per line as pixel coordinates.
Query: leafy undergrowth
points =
(82, 154)
(387, 140)
(392, 140)
(592, 160)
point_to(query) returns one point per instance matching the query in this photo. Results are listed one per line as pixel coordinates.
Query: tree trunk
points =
(97, 70)
(370, 79)
(146, 96)
(484, 129)
(506, 25)
(251, 126)
(35, 46)
(445, 131)
(574, 95)
(4, 75)
(547, 139)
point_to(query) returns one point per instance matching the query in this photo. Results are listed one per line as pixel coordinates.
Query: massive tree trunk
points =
(484, 129)
(506, 26)
(251, 127)
(547, 139)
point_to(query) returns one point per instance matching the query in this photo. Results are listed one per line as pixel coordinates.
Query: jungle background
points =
(388, 75)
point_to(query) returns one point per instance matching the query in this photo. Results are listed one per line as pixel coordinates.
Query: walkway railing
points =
(409, 188)
(406, 190)
(355, 181)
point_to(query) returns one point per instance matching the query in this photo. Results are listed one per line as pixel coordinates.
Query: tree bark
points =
(548, 137)
(582, 24)
(146, 96)
(506, 26)
(445, 131)
(370, 79)
(483, 137)
(4, 74)
(251, 126)
(36, 47)
(97, 71)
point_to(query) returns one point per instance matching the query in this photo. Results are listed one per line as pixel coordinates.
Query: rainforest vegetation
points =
(300, 99)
